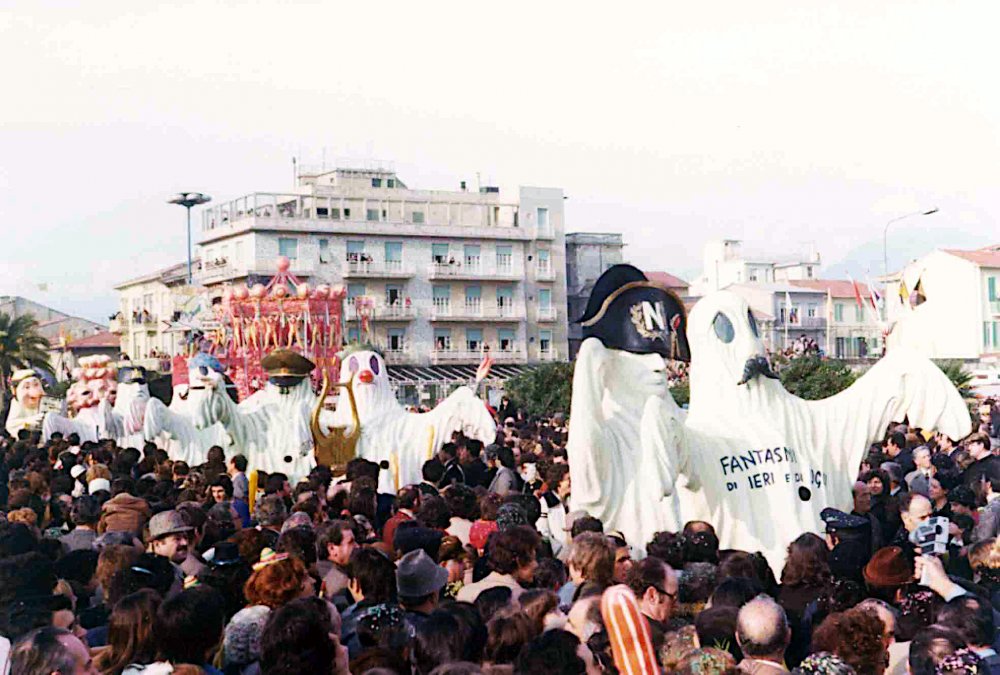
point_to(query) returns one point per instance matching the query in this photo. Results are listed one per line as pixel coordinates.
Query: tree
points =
(813, 378)
(21, 346)
(544, 390)
(959, 376)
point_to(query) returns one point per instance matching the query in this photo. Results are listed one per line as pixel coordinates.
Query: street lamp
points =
(885, 235)
(187, 200)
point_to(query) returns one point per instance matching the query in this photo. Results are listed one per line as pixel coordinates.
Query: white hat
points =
(98, 484)
(77, 471)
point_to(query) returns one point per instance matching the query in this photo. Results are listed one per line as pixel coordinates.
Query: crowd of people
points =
(119, 560)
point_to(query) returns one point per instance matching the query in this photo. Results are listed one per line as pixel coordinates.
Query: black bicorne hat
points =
(627, 311)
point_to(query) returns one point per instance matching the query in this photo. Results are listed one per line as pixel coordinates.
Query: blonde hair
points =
(24, 515)
(591, 553)
(98, 471)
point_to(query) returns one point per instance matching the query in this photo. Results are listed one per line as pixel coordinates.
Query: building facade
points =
(451, 274)
(785, 312)
(588, 254)
(58, 328)
(150, 309)
(724, 262)
(853, 330)
(947, 305)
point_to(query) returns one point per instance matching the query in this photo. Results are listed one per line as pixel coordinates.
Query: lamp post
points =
(187, 200)
(885, 239)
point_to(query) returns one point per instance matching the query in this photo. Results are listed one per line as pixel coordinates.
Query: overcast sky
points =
(786, 124)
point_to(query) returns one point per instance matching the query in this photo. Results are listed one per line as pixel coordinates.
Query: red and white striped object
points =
(628, 631)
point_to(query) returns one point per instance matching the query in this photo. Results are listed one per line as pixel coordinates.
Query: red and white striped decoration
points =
(628, 630)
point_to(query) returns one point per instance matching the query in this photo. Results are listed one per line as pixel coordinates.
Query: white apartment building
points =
(852, 331)
(451, 273)
(950, 306)
(724, 263)
(150, 309)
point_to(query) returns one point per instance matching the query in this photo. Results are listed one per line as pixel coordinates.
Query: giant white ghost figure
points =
(272, 426)
(173, 428)
(750, 458)
(403, 439)
(768, 462)
(129, 407)
(25, 408)
(91, 398)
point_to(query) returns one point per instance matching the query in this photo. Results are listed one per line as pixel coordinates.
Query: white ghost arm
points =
(587, 425)
(902, 385)
(461, 411)
(662, 460)
(159, 419)
(247, 429)
(56, 423)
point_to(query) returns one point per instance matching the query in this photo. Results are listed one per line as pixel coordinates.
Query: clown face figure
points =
(25, 408)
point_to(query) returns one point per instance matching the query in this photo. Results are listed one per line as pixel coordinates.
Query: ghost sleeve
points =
(590, 446)
(662, 443)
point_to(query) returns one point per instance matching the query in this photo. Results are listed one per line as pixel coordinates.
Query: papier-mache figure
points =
(130, 399)
(389, 433)
(272, 426)
(755, 461)
(90, 399)
(173, 428)
(25, 408)
(618, 468)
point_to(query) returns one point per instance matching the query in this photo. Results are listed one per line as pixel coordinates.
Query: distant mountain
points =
(904, 247)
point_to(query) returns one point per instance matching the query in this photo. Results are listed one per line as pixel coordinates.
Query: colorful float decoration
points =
(287, 313)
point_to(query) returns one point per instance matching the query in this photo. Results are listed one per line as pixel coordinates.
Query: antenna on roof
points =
(295, 172)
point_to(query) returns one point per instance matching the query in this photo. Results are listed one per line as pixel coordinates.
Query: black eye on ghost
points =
(753, 323)
(723, 328)
(374, 364)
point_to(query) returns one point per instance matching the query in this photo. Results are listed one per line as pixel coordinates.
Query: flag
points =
(876, 299)
(788, 308)
(857, 293)
(904, 295)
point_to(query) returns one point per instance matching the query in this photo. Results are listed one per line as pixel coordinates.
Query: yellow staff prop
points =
(338, 446)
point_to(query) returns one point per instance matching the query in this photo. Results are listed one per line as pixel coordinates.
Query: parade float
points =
(89, 402)
(756, 462)
(26, 406)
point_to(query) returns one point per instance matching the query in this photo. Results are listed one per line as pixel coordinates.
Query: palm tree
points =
(21, 346)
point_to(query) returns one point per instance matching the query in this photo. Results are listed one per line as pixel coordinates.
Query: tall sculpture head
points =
(27, 389)
(366, 371)
(728, 355)
(286, 370)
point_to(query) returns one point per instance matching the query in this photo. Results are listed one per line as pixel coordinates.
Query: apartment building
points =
(449, 274)
(588, 254)
(852, 330)
(725, 262)
(151, 307)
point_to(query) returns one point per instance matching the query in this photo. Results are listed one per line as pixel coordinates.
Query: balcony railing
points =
(549, 354)
(807, 322)
(399, 355)
(479, 270)
(374, 269)
(545, 232)
(473, 309)
(514, 354)
(544, 272)
(547, 313)
(398, 311)
(262, 267)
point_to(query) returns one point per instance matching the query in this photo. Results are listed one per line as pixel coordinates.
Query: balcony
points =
(398, 356)
(802, 323)
(514, 354)
(545, 232)
(223, 270)
(475, 310)
(549, 354)
(377, 269)
(398, 311)
(475, 269)
(547, 313)
(116, 326)
(544, 271)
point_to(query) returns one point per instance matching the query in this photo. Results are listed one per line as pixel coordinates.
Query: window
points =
(991, 284)
(383, 214)
(442, 339)
(394, 251)
(322, 212)
(439, 253)
(838, 312)
(335, 214)
(505, 257)
(355, 251)
(393, 294)
(473, 298)
(347, 214)
(355, 291)
(396, 339)
(390, 182)
(324, 250)
(506, 337)
(859, 314)
(418, 217)
(544, 298)
(442, 293)
(473, 339)
(288, 247)
(354, 334)
(376, 182)
(543, 217)
(545, 341)
(472, 255)
(371, 215)
(752, 275)
(811, 311)
(809, 272)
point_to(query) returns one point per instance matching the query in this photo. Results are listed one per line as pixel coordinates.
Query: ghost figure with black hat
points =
(129, 408)
(619, 468)
(272, 426)
(172, 428)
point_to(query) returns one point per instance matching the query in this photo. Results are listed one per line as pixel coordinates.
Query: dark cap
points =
(838, 520)
(285, 367)
(132, 375)
(627, 311)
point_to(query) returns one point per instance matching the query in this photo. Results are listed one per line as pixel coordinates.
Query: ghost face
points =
(725, 340)
(634, 377)
(369, 379)
(29, 393)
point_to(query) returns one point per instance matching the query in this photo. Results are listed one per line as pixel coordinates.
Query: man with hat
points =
(630, 325)
(419, 581)
(848, 536)
(276, 435)
(169, 536)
